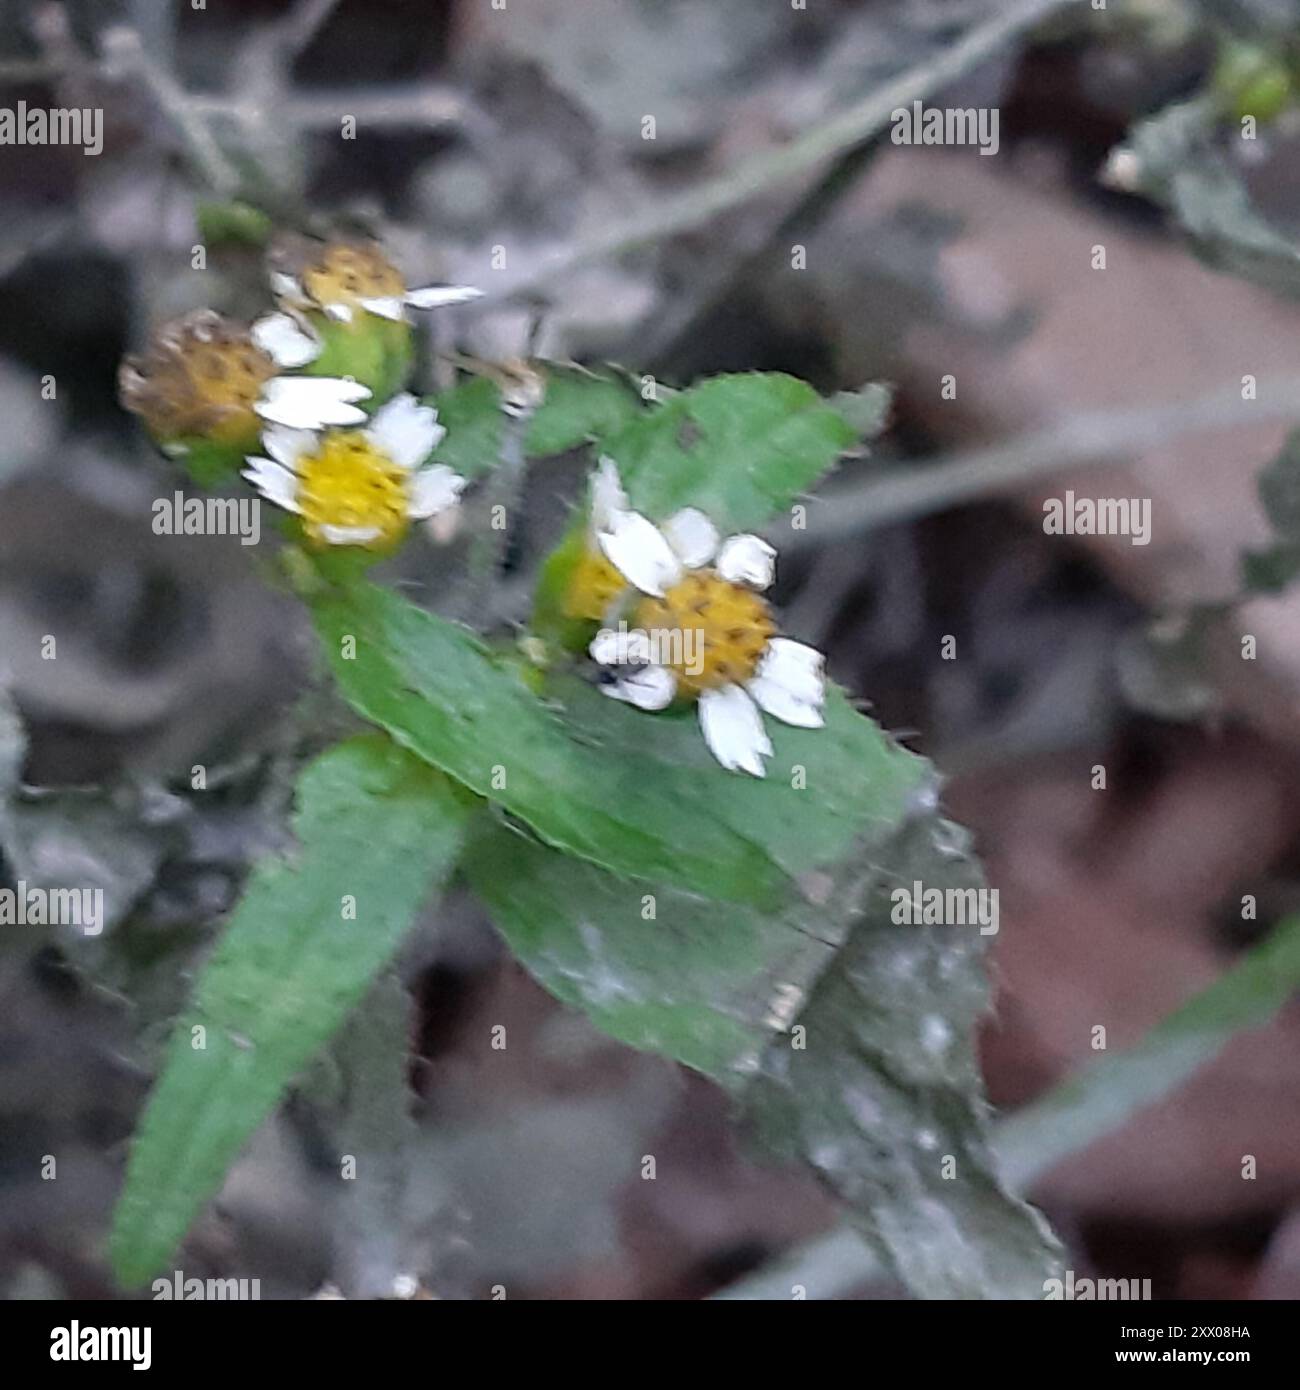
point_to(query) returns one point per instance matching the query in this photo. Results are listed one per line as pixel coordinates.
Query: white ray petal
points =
(646, 687)
(733, 730)
(350, 535)
(607, 495)
(433, 490)
(342, 312)
(785, 706)
(441, 296)
(275, 483)
(796, 668)
(693, 536)
(283, 341)
(287, 445)
(388, 306)
(286, 286)
(615, 647)
(639, 551)
(747, 560)
(311, 402)
(405, 430)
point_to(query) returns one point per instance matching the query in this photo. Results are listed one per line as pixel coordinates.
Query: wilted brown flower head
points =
(199, 377)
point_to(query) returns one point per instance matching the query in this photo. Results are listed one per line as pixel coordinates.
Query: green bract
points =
(375, 351)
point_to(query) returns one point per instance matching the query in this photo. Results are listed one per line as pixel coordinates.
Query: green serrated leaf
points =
(702, 982)
(883, 1098)
(740, 448)
(286, 972)
(435, 687)
(1083, 1108)
(826, 789)
(471, 414)
(578, 406)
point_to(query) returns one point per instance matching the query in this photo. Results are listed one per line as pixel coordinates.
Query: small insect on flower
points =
(701, 630)
(358, 487)
(345, 280)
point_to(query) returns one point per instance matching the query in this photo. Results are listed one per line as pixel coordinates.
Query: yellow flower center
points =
(348, 485)
(199, 381)
(593, 587)
(347, 274)
(228, 377)
(709, 631)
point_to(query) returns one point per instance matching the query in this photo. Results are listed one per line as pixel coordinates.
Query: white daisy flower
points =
(700, 629)
(358, 486)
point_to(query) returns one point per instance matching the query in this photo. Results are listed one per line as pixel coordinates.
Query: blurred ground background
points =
(523, 128)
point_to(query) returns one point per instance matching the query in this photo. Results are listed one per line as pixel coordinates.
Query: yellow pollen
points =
(347, 274)
(349, 483)
(723, 629)
(593, 587)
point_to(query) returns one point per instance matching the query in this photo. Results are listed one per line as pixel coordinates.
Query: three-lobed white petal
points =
(287, 445)
(311, 402)
(275, 482)
(640, 552)
(284, 341)
(406, 431)
(646, 687)
(747, 559)
(433, 490)
(692, 536)
(781, 704)
(790, 683)
(621, 647)
(733, 730)
(795, 667)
